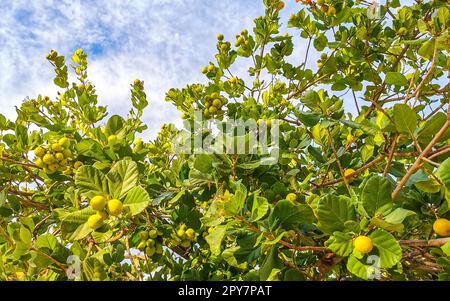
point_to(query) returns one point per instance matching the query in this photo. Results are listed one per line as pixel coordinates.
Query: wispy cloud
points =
(163, 42)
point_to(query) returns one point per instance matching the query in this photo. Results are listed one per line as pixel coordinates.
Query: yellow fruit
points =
(150, 242)
(59, 156)
(210, 229)
(39, 151)
(363, 244)
(56, 147)
(217, 103)
(442, 227)
(331, 11)
(210, 68)
(67, 153)
(103, 215)
(292, 197)
(153, 234)
(115, 207)
(98, 202)
(348, 172)
(39, 162)
(204, 70)
(181, 232)
(53, 167)
(220, 37)
(48, 159)
(190, 233)
(94, 221)
(112, 139)
(281, 5)
(77, 164)
(64, 142)
(67, 171)
(141, 246)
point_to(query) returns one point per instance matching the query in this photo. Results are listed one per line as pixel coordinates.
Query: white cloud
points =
(163, 42)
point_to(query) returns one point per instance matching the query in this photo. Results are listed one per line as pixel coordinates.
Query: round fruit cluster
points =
(442, 227)
(213, 104)
(242, 39)
(209, 69)
(150, 242)
(221, 45)
(183, 237)
(105, 207)
(54, 157)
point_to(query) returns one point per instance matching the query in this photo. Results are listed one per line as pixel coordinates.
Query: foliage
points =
(382, 175)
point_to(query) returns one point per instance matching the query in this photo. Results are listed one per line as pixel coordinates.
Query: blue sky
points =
(163, 42)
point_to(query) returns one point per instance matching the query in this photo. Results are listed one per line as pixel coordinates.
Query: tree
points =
(351, 197)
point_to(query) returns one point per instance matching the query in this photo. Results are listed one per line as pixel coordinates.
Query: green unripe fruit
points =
(217, 103)
(48, 159)
(150, 242)
(204, 70)
(212, 109)
(59, 156)
(150, 251)
(64, 142)
(293, 143)
(39, 162)
(153, 233)
(39, 151)
(98, 203)
(402, 31)
(115, 207)
(67, 153)
(143, 235)
(142, 245)
(190, 233)
(94, 221)
(292, 197)
(220, 37)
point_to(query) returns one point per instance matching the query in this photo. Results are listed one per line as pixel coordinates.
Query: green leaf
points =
(74, 225)
(357, 268)
(443, 173)
(203, 163)
(260, 207)
(289, 216)
(46, 241)
(114, 125)
(446, 248)
(427, 49)
(388, 248)
(405, 119)
(25, 235)
(333, 211)
(122, 177)
(398, 215)
(396, 78)
(271, 262)
(137, 200)
(320, 42)
(91, 182)
(236, 202)
(340, 243)
(214, 239)
(376, 195)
